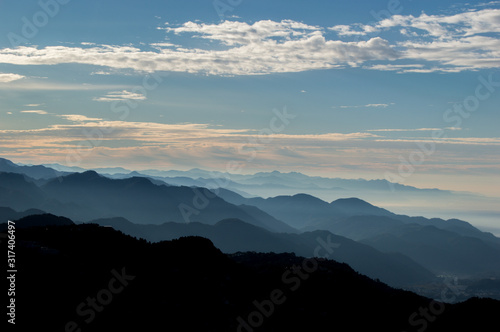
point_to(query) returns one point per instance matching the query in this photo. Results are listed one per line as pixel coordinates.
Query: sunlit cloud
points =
(6, 78)
(446, 43)
(121, 95)
(41, 112)
(364, 106)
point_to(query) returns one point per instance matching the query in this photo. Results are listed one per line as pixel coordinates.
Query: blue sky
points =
(373, 89)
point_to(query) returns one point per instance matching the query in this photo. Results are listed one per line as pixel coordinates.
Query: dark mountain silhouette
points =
(189, 285)
(11, 214)
(39, 220)
(232, 235)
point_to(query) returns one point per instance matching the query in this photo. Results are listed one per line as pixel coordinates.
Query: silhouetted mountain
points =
(39, 220)
(357, 207)
(35, 172)
(232, 235)
(98, 279)
(19, 192)
(10, 214)
(439, 250)
(141, 201)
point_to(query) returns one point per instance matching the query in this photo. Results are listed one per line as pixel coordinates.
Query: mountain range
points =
(395, 248)
(95, 278)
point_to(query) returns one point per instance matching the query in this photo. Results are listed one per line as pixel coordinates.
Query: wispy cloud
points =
(41, 112)
(8, 77)
(364, 106)
(415, 129)
(121, 95)
(448, 43)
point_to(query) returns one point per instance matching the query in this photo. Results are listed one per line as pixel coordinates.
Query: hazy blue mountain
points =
(19, 192)
(35, 172)
(233, 235)
(349, 217)
(141, 201)
(440, 251)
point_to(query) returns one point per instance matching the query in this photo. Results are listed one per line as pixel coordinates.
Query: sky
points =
(403, 90)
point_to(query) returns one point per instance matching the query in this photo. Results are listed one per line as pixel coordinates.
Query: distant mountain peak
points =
(352, 201)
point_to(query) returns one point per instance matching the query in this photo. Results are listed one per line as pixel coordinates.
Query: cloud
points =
(6, 78)
(121, 95)
(246, 49)
(364, 106)
(417, 129)
(32, 105)
(100, 72)
(41, 112)
(78, 118)
(447, 43)
(450, 43)
(89, 141)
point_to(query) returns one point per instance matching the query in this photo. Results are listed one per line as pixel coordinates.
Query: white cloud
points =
(364, 106)
(453, 43)
(41, 112)
(6, 78)
(261, 48)
(416, 129)
(100, 72)
(447, 43)
(121, 95)
(79, 118)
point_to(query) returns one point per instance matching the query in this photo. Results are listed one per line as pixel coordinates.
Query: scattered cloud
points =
(6, 78)
(447, 43)
(41, 112)
(33, 105)
(79, 118)
(365, 106)
(100, 72)
(121, 95)
(416, 129)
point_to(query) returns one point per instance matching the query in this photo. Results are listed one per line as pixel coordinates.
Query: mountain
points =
(98, 279)
(233, 235)
(11, 214)
(39, 220)
(35, 172)
(86, 196)
(19, 192)
(441, 251)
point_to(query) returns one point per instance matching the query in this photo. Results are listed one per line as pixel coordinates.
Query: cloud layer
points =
(464, 41)
(80, 140)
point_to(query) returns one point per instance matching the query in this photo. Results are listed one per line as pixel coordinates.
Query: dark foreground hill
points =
(233, 235)
(94, 278)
